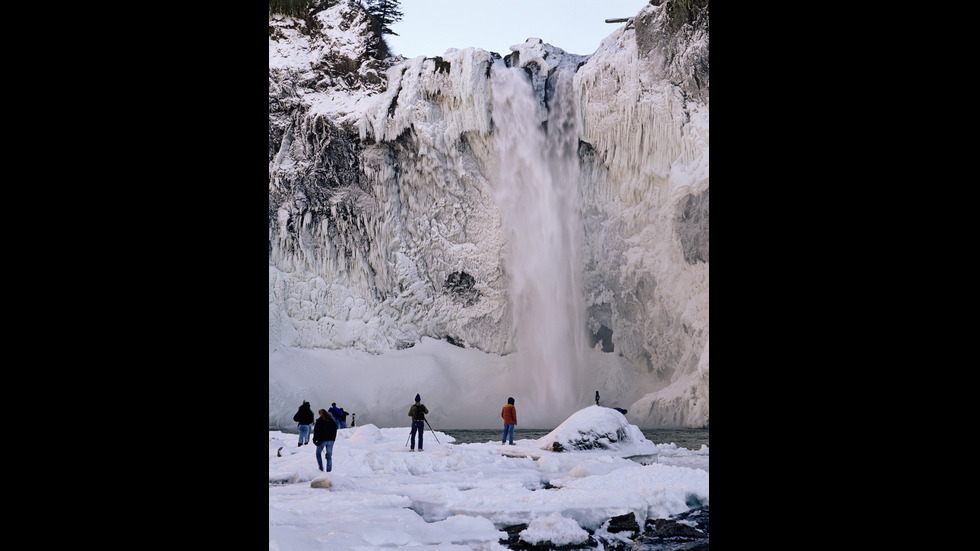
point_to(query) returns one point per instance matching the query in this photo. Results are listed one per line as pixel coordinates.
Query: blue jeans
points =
(304, 434)
(508, 429)
(420, 427)
(328, 445)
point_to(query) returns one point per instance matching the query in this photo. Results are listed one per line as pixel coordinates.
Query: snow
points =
(355, 300)
(461, 496)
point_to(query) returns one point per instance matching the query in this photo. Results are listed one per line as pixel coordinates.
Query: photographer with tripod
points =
(417, 413)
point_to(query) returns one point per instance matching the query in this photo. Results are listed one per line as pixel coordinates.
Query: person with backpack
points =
(304, 416)
(417, 413)
(337, 414)
(324, 434)
(509, 413)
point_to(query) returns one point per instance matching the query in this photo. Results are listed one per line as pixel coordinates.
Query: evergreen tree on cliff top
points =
(387, 13)
(295, 8)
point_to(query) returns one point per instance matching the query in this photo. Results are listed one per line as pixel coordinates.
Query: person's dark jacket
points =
(305, 415)
(417, 412)
(325, 430)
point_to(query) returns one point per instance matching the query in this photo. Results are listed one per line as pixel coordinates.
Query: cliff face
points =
(391, 195)
(645, 202)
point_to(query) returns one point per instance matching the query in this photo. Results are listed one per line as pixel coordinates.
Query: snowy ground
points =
(460, 496)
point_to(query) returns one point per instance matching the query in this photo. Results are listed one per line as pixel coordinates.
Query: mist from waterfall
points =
(536, 190)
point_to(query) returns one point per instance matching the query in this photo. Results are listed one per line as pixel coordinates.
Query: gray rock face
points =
(675, 36)
(691, 226)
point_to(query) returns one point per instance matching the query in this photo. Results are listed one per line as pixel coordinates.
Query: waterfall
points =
(536, 190)
(419, 203)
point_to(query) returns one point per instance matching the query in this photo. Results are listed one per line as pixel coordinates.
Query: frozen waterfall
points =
(536, 190)
(473, 227)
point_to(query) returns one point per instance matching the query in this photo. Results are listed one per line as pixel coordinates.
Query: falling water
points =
(537, 193)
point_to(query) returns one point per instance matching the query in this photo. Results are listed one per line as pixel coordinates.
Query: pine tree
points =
(387, 13)
(296, 8)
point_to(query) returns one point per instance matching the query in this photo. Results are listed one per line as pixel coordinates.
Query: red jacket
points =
(509, 413)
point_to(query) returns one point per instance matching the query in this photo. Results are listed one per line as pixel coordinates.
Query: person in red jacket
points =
(509, 413)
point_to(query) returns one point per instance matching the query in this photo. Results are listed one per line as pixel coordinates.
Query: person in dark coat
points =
(417, 413)
(338, 415)
(304, 416)
(324, 434)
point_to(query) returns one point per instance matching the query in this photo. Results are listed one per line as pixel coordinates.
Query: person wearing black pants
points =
(417, 413)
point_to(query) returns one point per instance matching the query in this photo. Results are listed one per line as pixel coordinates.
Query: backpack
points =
(417, 412)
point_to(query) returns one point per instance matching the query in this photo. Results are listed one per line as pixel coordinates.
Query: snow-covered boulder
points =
(554, 529)
(594, 427)
(366, 434)
(322, 481)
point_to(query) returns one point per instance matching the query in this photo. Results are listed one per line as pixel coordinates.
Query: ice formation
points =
(396, 189)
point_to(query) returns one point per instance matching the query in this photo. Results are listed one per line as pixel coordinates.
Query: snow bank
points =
(381, 495)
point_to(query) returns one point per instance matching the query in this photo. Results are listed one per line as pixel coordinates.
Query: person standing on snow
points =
(304, 416)
(324, 434)
(417, 413)
(509, 413)
(337, 414)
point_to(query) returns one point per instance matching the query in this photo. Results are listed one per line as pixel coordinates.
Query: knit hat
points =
(418, 398)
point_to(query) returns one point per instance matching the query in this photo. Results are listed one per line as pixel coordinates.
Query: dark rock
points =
(460, 285)
(666, 528)
(691, 226)
(675, 33)
(591, 440)
(657, 535)
(672, 534)
(681, 13)
(623, 523)
(513, 534)
(455, 342)
(442, 66)
(603, 335)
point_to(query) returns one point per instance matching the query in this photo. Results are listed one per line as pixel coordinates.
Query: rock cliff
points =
(386, 187)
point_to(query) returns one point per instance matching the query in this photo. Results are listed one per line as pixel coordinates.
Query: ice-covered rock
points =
(554, 529)
(594, 427)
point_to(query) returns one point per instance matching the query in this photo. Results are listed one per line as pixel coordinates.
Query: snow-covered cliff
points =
(542, 208)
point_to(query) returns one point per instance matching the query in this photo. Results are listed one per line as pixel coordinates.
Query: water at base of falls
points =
(691, 439)
(684, 438)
